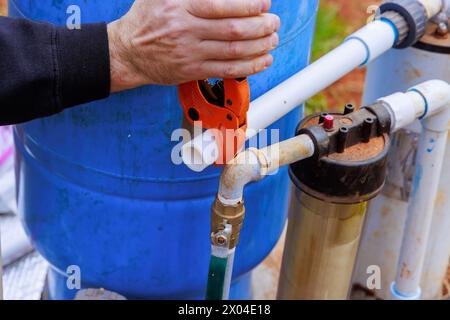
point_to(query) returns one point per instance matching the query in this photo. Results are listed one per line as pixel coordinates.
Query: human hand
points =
(169, 42)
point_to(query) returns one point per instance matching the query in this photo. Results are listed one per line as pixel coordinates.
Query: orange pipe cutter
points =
(223, 106)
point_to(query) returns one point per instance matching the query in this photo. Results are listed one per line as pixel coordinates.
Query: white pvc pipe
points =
(438, 250)
(405, 107)
(435, 108)
(360, 48)
(432, 7)
(436, 93)
(430, 157)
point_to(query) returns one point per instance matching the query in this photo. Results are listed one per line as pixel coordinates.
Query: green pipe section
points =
(219, 276)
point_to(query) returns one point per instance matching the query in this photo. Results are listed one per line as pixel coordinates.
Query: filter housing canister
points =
(329, 199)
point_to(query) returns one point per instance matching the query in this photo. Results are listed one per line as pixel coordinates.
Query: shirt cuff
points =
(82, 64)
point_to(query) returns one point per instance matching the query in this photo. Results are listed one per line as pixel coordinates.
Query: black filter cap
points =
(350, 162)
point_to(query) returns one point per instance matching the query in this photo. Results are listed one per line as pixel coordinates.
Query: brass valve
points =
(223, 216)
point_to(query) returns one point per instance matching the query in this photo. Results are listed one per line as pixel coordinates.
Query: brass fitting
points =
(223, 215)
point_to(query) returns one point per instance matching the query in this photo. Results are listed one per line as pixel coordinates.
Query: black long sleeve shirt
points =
(45, 69)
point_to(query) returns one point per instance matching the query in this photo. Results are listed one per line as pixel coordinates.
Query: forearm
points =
(45, 69)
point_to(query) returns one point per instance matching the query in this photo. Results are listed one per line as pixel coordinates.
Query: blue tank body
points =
(97, 188)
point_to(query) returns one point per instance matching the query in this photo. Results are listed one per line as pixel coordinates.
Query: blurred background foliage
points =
(331, 30)
(337, 19)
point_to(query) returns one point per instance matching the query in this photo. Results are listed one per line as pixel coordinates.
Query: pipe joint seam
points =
(377, 37)
(367, 60)
(425, 113)
(398, 30)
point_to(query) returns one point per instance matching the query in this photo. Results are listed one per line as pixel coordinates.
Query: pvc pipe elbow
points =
(247, 167)
(436, 95)
(422, 101)
(439, 122)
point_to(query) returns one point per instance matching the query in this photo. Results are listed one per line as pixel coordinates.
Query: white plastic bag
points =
(7, 182)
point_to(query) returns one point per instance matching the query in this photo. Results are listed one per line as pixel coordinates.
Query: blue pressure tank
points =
(97, 188)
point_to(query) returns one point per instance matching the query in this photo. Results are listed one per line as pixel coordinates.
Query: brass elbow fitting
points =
(223, 216)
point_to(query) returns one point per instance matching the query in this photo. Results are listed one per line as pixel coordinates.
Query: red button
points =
(328, 122)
